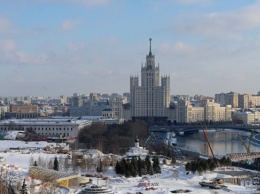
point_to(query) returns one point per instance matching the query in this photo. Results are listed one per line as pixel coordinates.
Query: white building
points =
(214, 112)
(208, 110)
(150, 99)
(248, 118)
(117, 106)
(49, 127)
(137, 151)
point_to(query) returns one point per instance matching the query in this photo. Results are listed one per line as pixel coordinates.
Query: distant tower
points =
(150, 99)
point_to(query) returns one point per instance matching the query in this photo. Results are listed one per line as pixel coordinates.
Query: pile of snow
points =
(118, 180)
(13, 144)
(94, 153)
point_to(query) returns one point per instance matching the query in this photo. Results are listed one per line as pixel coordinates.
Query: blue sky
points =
(59, 47)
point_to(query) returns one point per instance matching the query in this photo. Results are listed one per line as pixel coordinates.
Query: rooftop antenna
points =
(150, 53)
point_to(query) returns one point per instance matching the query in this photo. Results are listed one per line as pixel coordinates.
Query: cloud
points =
(178, 47)
(5, 25)
(225, 25)
(73, 47)
(192, 1)
(86, 3)
(69, 25)
(7, 45)
(89, 3)
(11, 55)
(8, 51)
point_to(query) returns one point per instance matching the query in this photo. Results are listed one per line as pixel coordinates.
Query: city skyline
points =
(51, 48)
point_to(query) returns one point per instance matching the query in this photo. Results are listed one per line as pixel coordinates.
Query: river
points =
(222, 142)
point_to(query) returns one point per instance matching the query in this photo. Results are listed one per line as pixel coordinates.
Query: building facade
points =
(237, 100)
(185, 112)
(151, 98)
(246, 101)
(230, 98)
(22, 111)
(247, 118)
(62, 127)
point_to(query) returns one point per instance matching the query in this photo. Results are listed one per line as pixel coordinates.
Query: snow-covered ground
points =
(172, 177)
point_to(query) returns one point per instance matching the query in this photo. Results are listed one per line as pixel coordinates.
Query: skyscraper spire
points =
(150, 53)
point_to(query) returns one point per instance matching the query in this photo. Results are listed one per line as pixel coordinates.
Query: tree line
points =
(116, 138)
(138, 167)
(202, 165)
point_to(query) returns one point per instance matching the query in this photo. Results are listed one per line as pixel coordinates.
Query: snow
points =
(23, 160)
(8, 144)
(171, 178)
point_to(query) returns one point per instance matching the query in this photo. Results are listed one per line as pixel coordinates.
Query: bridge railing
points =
(173, 128)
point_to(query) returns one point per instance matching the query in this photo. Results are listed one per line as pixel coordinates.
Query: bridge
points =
(197, 127)
(243, 156)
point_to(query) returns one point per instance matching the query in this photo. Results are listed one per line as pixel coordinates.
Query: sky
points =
(60, 47)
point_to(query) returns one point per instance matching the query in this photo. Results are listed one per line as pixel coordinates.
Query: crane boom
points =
(249, 139)
(207, 140)
(244, 143)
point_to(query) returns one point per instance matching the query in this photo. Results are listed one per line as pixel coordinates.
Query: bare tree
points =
(50, 188)
(44, 162)
(31, 161)
(106, 163)
(66, 164)
(89, 162)
(61, 163)
(83, 165)
(39, 161)
(50, 164)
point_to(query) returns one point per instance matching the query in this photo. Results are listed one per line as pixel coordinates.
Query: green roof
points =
(107, 109)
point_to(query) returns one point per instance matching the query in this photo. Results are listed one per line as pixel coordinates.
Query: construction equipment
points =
(250, 138)
(206, 136)
(246, 146)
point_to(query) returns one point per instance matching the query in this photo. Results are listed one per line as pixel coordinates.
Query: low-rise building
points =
(137, 151)
(22, 111)
(64, 127)
(247, 118)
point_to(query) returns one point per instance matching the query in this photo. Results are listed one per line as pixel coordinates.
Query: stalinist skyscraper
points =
(150, 99)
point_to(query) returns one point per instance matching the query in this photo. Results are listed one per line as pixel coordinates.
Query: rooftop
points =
(45, 121)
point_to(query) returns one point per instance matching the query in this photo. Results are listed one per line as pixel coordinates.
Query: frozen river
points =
(222, 142)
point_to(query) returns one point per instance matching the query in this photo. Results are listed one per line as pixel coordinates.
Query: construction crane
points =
(246, 146)
(250, 138)
(206, 136)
